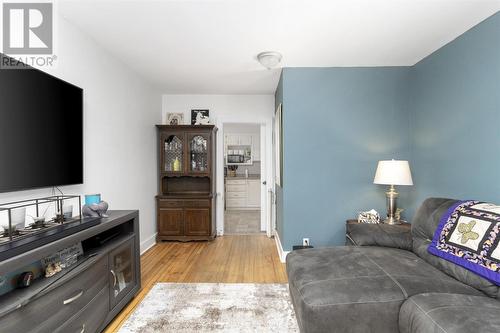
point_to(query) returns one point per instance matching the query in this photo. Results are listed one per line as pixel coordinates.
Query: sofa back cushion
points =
(424, 224)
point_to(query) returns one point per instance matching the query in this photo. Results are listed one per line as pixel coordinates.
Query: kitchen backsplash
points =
(253, 169)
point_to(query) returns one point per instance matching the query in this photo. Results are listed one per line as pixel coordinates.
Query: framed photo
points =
(200, 117)
(278, 139)
(175, 118)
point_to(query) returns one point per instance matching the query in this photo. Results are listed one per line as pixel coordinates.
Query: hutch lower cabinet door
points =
(197, 221)
(171, 221)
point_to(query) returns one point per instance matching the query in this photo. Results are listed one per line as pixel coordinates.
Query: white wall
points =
(226, 109)
(121, 110)
(233, 108)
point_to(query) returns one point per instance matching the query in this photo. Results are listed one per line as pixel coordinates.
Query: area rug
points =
(213, 307)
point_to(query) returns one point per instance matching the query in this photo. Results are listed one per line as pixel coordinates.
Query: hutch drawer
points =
(172, 203)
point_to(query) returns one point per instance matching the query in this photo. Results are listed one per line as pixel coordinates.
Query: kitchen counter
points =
(250, 176)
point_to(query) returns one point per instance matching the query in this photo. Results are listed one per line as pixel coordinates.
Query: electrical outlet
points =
(305, 241)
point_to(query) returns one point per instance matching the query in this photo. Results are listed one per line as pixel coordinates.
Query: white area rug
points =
(213, 307)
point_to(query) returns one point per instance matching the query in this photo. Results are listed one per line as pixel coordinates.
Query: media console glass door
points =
(122, 271)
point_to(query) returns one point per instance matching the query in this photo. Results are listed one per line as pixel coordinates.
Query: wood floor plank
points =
(227, 259)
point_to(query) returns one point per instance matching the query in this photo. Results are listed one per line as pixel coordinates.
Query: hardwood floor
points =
(227, 259)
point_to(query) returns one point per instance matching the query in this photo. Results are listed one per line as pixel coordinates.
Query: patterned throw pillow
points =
(468, 235)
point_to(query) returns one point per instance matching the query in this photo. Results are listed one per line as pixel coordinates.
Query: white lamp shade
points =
(393, 173)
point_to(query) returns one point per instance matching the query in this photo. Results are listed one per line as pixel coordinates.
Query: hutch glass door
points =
(173, 153)
(198, 153)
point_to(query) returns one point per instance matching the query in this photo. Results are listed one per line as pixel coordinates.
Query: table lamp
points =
(392, 173)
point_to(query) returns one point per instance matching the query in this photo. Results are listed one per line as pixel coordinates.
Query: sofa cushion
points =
(424, 224)
(354, 289)
(452, 313)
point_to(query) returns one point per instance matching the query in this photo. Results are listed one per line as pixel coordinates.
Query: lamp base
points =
(392, 220)
(392, 197)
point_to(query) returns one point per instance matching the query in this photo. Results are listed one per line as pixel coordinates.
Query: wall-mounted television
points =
(41, 130)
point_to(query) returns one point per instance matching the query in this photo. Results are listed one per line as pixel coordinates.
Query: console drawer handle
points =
(114, 277)
(74, 298)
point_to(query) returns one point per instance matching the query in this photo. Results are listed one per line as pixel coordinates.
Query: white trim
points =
(148, 243)
(282, 254)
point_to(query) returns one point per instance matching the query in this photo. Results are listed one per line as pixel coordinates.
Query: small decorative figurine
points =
(397, 215)
(370, 216)
(96, 209)
(52, 269)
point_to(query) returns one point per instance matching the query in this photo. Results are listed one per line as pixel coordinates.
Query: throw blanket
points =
(468, 235)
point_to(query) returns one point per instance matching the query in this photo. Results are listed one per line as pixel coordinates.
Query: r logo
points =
(27, 28)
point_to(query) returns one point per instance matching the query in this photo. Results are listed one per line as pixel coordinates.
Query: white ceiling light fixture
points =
(269, 59)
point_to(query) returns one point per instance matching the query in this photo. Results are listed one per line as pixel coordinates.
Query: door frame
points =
(266, 170)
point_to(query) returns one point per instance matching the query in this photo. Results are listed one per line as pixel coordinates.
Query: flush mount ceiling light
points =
(269, 59)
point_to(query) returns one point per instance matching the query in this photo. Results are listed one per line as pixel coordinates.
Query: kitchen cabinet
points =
(243, 194)
(242, 142)
(238, 140)
(232, 140)
(253, 193)
(245, 140)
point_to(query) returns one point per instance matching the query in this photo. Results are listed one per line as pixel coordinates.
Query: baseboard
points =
(148, 243)
(282, 254)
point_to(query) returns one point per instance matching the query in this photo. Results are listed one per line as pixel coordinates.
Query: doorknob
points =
(264, 182)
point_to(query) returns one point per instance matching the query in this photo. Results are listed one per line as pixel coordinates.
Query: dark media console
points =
(88, 295)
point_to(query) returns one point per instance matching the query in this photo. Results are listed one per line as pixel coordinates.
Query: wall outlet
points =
(305, 241)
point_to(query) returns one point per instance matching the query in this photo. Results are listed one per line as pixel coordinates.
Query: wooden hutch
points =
(186, 200)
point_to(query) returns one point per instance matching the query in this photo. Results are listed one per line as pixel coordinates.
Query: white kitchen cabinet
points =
(242, 193)
(245, 140)
(253, 193)
(232, 140)
(238, 140)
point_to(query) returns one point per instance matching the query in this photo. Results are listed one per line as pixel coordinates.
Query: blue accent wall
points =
(443, 115)
(455, 118)
(338, 122)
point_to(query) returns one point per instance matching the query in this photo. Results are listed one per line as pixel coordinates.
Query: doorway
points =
(242, 193)
(242, 179)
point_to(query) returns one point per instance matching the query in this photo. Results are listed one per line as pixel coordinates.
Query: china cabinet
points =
(186, 199)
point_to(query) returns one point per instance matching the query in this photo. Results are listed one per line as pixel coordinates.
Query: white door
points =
(266, 177)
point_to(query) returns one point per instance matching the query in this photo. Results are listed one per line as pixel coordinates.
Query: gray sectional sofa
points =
(387, 289)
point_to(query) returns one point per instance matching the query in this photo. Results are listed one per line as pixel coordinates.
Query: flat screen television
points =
(41, 130)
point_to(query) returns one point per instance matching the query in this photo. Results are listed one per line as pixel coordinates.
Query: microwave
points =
(235, 158)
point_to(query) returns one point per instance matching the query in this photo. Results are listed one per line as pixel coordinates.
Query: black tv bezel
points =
(28, 67)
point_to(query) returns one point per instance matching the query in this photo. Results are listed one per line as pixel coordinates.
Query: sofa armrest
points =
(396, 236)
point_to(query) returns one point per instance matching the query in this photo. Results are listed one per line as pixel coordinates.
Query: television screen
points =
(41, 130)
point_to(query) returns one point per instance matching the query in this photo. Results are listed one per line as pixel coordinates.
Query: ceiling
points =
(210, 46)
